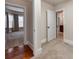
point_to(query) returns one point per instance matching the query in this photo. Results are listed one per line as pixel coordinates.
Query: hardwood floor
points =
(19, 53)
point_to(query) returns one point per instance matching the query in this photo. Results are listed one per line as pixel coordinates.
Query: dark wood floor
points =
(19, 53)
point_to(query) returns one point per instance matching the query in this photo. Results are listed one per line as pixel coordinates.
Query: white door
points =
(51, 20)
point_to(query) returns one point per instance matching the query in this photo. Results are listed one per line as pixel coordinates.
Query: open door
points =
(60, 24)
(51, 24)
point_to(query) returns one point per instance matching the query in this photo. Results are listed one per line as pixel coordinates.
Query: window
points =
(14, 22)
(20, 21)
(10, 20)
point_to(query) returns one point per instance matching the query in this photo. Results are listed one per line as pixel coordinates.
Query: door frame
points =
(25, 18)
(59, 10)
(46, 28)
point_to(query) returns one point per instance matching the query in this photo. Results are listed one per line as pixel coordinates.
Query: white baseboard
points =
(30, 45)
(25, 42)
(51, 39)
(37, 53)
(70, 42)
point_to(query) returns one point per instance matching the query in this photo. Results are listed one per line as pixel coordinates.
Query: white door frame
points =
(63, 20)
(46, 28)
(25, 18)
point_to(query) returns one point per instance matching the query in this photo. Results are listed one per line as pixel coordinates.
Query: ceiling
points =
(55, 2)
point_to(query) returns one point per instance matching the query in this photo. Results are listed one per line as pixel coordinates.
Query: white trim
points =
(63, 12)
(25, 42)
(16, 5)
(51, 39)
(59, 9)
(38, 53)
(30, 45)
(21, 46)
(14, 8)
(70, 42)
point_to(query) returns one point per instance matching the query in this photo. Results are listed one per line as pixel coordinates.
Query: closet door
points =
(51, 20)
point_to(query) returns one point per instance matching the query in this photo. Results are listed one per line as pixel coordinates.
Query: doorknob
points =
(48, 26)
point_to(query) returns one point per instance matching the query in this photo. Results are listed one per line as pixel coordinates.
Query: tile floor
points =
(56, 49)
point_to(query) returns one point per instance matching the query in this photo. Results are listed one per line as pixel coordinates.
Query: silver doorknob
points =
(48, 26)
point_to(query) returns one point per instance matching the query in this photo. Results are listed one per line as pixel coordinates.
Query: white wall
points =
(30, 24)
(68, 20)
(37, 26)
(45, 6)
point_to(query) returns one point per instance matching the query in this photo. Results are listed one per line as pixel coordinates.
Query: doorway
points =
(15, 33)
(60, 24)
(14, 26)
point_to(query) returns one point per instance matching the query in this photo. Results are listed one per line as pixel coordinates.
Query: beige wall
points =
(30, 24)
(45, 7)
(68, 20)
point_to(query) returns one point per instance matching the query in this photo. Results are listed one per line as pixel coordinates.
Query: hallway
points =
(56, 49)
(39, 21)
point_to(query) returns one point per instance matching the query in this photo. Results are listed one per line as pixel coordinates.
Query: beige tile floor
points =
(56, 49)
